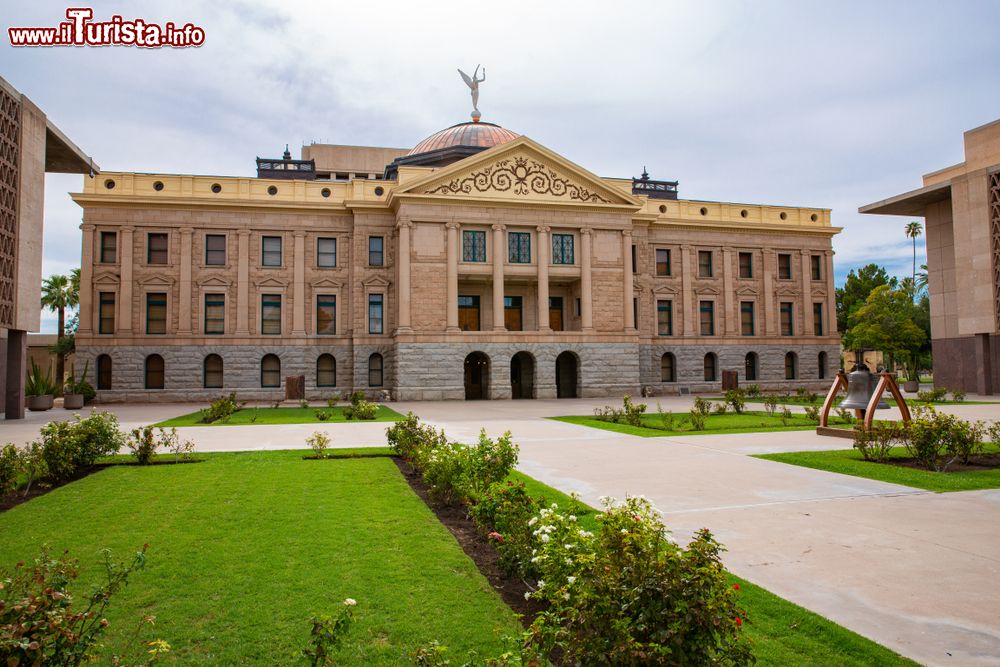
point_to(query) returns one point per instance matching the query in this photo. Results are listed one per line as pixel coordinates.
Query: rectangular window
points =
(473, 246)
(215, 314)
(746, 265)
(665, 318)
(156, 313)
(156, 249)
(215, 249)
(663, 261)
(376, 251)
(270, 314)
(326, 253)
(556, 313)
(707, 311)
(785, 267)
(562, 249)
(635, 263)
(818, 319)
(106, 313)
(635, 313)
(270, 250)
(746, 318)
(704, 263)
(326, 315)
(468, 312)
(512, 313)
(816, 264)
(375, 321)
(109, 247)
(787, 329)
(519, 247)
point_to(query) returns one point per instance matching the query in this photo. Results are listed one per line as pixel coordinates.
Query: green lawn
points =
(849, 462)
(248, 416)
(796, 400)
(783, 633)
(748, 422)
(245, 547)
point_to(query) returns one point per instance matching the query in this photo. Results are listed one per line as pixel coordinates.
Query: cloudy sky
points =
(828, 104)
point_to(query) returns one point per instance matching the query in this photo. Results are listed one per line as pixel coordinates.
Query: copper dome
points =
(480, 135)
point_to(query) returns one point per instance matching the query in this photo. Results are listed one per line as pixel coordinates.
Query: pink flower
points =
(495, 536)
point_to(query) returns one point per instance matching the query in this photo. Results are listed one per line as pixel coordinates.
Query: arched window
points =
(326, 371)
(154, 372)
(212, 372)
(270, 371)
(104, 372)
(711, 367)
(750, 364)
(821, 361)
(791, 366)
(375, 370)
(668, 368)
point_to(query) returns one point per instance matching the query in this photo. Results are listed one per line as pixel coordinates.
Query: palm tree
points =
(921, 282)
(58, 294)
(913, 230)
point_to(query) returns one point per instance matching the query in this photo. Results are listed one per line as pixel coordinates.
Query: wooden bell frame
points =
(885, 381)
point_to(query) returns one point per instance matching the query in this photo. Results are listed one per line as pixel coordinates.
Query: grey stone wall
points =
(770, 366)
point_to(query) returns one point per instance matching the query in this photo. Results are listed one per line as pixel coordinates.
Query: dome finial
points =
(473, 84)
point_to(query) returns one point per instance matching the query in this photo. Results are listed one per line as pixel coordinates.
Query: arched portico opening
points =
(522, 375)
(567, 375)
(477, 376)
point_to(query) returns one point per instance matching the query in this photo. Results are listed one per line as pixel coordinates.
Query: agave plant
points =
(38, 383)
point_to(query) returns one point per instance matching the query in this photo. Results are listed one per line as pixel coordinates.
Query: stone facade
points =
(538, 251)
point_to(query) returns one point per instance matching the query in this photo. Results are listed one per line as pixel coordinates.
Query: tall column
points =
(86, 281)
(769, 314)
(688, 261)
(299, 286)
(729, 299)
(243, 282)
(126, 261)
(806, 284)
(544, 249)
(831, 296)
(184, 293)
(629, 285)
(17, 355)
(403, 296)
(452, 276)
(498, 262)
(586, 282)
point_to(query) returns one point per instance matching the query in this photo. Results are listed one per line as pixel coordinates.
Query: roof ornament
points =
(473, 84)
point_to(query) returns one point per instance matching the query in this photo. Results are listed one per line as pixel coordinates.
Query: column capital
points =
(586, 231)
(686, 246)
(499, 227)
(299, 234)
(828, 253)
(87, 227)
(243, 232)
(627, 233)
(127, 228)
(404, 222)
(806, 252)
(727, 248)
(186, 232)
(543, 229)
(453, 225)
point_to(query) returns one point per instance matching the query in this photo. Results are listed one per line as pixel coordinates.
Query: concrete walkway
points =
(913, 570)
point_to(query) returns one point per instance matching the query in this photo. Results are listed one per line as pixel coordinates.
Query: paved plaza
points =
(910, 569)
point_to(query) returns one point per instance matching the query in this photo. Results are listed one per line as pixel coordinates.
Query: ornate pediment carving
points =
(156, 280)
(787, 290)
(106, 278)
(271, 283)
(325, 283)
(215, 281)
(375, 281)
(747, 290)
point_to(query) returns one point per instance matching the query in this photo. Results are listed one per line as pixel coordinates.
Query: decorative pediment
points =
(666, 289)
(325, 283)
(787, 290)
(156, 280)
(520, 170)
(747, 290)
(271, 283)
(106, 278)
(819, 291)
(215, 281)
(375, 281)
(706, 289)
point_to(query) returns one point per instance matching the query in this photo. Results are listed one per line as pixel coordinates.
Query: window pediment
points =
(106, 278)
(271, 283)
(375, 281)
(156, 280)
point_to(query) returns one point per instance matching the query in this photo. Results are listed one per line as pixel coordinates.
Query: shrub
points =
(770, 405)
(38, 621)
(443, 471)
(753, 390)
(935, 395)
(71, 445)
(668, 420)
(32, 464)
(845, 415)
(143, 444)
(697, 416)
(957, 395)
(457, 474)
(181, 449)
(332, 401)
(409, 438)
(608, 414)
(323, 415)
(812, 413)
(10, 466)
(361, 409)
(357, 397)
(720, 408)
(736, 399)
(937, 440)
(632, 412)
(876, 442)
(319, 442)
(222, 408)
(807, 396)
(966, 439)
(504, 514)
(490, 461)
(630, 596)
(327, 634)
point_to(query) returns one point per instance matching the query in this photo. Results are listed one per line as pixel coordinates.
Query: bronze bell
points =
(860, 387)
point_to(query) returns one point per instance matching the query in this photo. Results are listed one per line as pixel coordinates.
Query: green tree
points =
(921, 281)
(888, 321)
(59, 293)
(857, 287)
(913, 230)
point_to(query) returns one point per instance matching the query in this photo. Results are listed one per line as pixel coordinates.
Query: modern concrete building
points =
(478, 264)
(961, 207)
(30, 147)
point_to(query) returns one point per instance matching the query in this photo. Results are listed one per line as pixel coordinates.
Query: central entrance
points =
(477, 376)
(522, 375)
(567, 370)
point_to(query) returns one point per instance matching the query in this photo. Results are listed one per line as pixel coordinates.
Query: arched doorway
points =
(477, 376)
(567, 373)
(522, 375)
